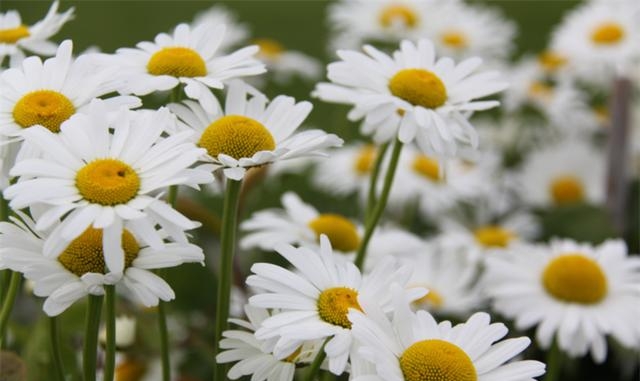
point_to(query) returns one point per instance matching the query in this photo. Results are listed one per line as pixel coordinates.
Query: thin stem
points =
(92, 325)
(172, 196)
(110, 320)
(225, 270)
(554, 357)
(54, 333)
(373, 181)
(4, 209)
(317, 362)
(176, 94)
(372, 221)
(164, 341)
(7, 304)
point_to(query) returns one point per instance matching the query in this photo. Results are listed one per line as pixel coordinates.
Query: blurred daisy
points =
(283, 64)
(190, 56)
(576, 292)
(125, 332)
(99, 172)
(16, 38)
(249, 133)
(346, 171)
(299, 224)
(568, 172)
(79, 268)
(235, 32)
(414, 347)
(412, 95)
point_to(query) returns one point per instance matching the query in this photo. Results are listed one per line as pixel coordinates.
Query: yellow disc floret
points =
(419, 87)
(493, 236)
(107, 182)
(575, 278)
(85, 254)
(47, 108)
(12, 35)
(566, 190)
(341, 232)
(334, 303)
(432, 299)
(364, 160)
(551, 61)
(398, 13)
(454, 39)
(269, 48)
(236, 136)
(177, 62)
(436, 360)
(427, 167)
(608, 33)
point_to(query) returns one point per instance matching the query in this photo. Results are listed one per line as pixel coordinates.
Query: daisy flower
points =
(101, 171)
(283, 64)
(412, 95)
(190, 56)
(251, 133)
(16, 38)
(79, 268)
(346, 171)
(235, 32)
(576, 292)
(414, 347)
(314, 300)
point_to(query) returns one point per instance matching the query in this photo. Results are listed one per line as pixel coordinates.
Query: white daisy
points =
(15, 37)
(79, 268)
(100, 171)
(412, 95)
(249, 132)
(283, 64)
(235, 32)
(346, 171)
(190, 56)
(576, 292)
(413, 347)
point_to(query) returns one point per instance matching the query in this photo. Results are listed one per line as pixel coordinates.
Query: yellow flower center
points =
(454, 39)
(436, 360)
(566, 190)
(86, 255)
(493, 236)
(130, 370)
(294, 356)
(608, 33)
(342, 233)
(236, 136)
(419, 87)
(269, 48)
(364, 160)
(177, 62)
(107, 182)
(540, 90)
(398, 13)
(427, 167)
(575, 278)
(433, 298)
(44, 107)
(551, 61)
(334, 303)
(12, 35)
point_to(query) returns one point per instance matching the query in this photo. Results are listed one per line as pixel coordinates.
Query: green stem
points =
(56, 358)
(373, 181)
(92, 325)
(176, 94)
(7, 304)
(372, 221)
(110, 321)
(554, 359)
(164, 341)
(317, 362)
(172, 196)
(4, 209)
(225, 270)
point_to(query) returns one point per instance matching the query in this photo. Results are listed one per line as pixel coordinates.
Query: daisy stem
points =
(225, 270)
(372, 221)
(92, 325)
(54, 332)
(371, 198)
(7, 303)
(110, 317)
(553, 363)
(164, 341)
(315, 365)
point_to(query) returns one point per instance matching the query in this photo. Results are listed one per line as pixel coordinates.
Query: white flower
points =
(346, 171)
(412, 95)
(414, 347)
(79, 267)
(15, 37)
(575, 292)
(125, 334)
(235, 32)
(283, 64)
(102, 170)
(250, 132)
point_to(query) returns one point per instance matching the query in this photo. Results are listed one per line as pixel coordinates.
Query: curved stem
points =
(7, 303)
(56, 358)
(372, 221)
(164, 341)
(373, 181)
(317, 362)
(225, 270)
(92, 325)
(110, 319)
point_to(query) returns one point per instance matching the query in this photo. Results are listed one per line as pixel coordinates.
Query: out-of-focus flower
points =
(283, 64)
(235, 32)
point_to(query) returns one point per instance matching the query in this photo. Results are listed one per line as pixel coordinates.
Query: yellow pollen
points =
(427, 167)
(575, 278)
(608, 33)
(44, 107)
(177, 62)
(85, 254)
(552, 61)
(539, 89)
(334, 303)
(107, 182)
(292, 357)
(12, 35)
(454, 39)
(398, 13)
(236, 136)
(493, 236)
(342, 233)
(433, 299)
(419, 87)
(269, 48)
(436, 360)
(364, 160)
(602, 114)
(130, 370)
(566, 190)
